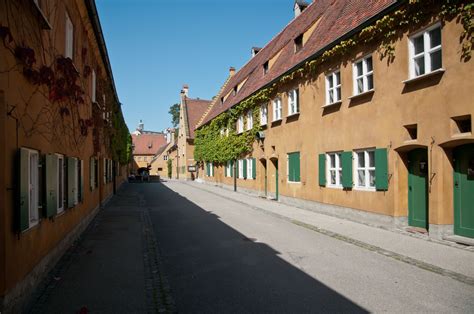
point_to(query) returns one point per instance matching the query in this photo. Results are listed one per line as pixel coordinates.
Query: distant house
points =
(159, 163)
(145, 145)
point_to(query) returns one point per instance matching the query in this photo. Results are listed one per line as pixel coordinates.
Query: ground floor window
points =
(364, 174)
(293, 167)
(334, 170)
(61, 184)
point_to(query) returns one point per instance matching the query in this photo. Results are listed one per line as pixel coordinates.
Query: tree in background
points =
(174, 112)
(169, 163)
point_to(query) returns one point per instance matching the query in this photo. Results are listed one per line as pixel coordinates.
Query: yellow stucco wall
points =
(374, 121)
(21, 252)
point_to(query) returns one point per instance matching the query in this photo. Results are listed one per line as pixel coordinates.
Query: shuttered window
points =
(92, 173)
(254, 168)
(294, 167)
(52, 185)
(29, 188)
(61, 184)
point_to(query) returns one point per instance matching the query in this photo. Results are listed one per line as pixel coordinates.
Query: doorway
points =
(275, 164)
(418, 188)
(265, 182)
(464, 190)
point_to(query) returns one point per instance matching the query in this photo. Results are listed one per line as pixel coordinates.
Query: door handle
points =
(456, 184)
(409, 188)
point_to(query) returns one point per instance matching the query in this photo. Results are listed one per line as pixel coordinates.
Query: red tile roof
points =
(195, 109)
(336, 18)
(148, 143)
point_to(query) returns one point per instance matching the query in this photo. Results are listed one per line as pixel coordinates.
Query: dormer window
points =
(234, 91)
(265, 68)
(222, 100)
(298, 43)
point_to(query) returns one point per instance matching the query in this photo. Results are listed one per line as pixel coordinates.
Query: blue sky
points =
(156, 46)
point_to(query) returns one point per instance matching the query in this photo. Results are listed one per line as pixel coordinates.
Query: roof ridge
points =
(211, 105)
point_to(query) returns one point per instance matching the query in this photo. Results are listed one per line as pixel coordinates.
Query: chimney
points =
(231, 71)
(185, 90)
(299, 7)
(255, 50)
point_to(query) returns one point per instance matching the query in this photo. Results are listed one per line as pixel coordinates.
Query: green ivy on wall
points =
(211, 145)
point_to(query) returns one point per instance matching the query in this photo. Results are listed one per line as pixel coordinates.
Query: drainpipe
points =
(235, 176)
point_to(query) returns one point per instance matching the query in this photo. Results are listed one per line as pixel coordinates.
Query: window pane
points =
(359, 68)
(361, 177)
(371, 178)
(370, 82)
(418, 44)
(333, 176)
(435, 60)
(331, 96)
(340, 176)
(338, 78)
(332, 159)
(371, 158)
(330, 81)
(369, 64)
(361, 159)
(338, 94)
(420, 66)
(435, 37)
(360, 85)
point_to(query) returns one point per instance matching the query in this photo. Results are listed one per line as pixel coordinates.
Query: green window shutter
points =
(51, 165)
(244, 165)
(231, 168)
(290, 167)
(297, 170)
(23, 221)
(346, 158)
(207, 169)
(105, 170)
(71, 182)
(92, 173)
(322, 169)
(254, 168)
(81, 180)
(381, 169)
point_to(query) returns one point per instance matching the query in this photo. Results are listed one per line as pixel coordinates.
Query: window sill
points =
(293, 115)
(293, 182)
(364, 189)
(335, 187)
(367, 93)
(332, 104)
(277, 120)
(424, 76)
(32, 226)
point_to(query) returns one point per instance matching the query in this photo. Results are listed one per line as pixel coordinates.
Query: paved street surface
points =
(221, 254)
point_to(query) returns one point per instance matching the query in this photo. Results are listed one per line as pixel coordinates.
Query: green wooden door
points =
(276, 180)
(464, 191)
(418, 188)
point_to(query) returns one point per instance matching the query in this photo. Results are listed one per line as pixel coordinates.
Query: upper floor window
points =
(240, 164)
(425, 51)
(334, 170)
(298, 43)
(234, 91)
(69, 48)
(293, 102)
(249, 120)
(365, 169)
(265, 68)
(276, 109)
(240, 124)
(363, 75)
(263, 114)
(333, 88)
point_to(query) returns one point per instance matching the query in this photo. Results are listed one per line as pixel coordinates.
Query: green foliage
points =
(174, 112)
(121, 141)
(212, 145)
(169, 165)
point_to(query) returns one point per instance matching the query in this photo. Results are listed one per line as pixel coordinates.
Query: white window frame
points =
(69, 43)
(293, 102)
(165, 157)
(335, 90)
(276, 104)
(241, 168)
(94, 86)
(337, 169)
(211, 169)
(366, 168)
(61, 183)
(249, 168)
(427, 50)
(364, 76)
(33, 187)
(264, 114)
(249, 120)
(240, 124)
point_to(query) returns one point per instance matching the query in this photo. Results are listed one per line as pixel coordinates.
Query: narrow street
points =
(223, 256)
(212, 254)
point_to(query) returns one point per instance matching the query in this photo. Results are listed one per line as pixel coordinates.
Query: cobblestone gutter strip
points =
(157, 288)
(402, 258)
